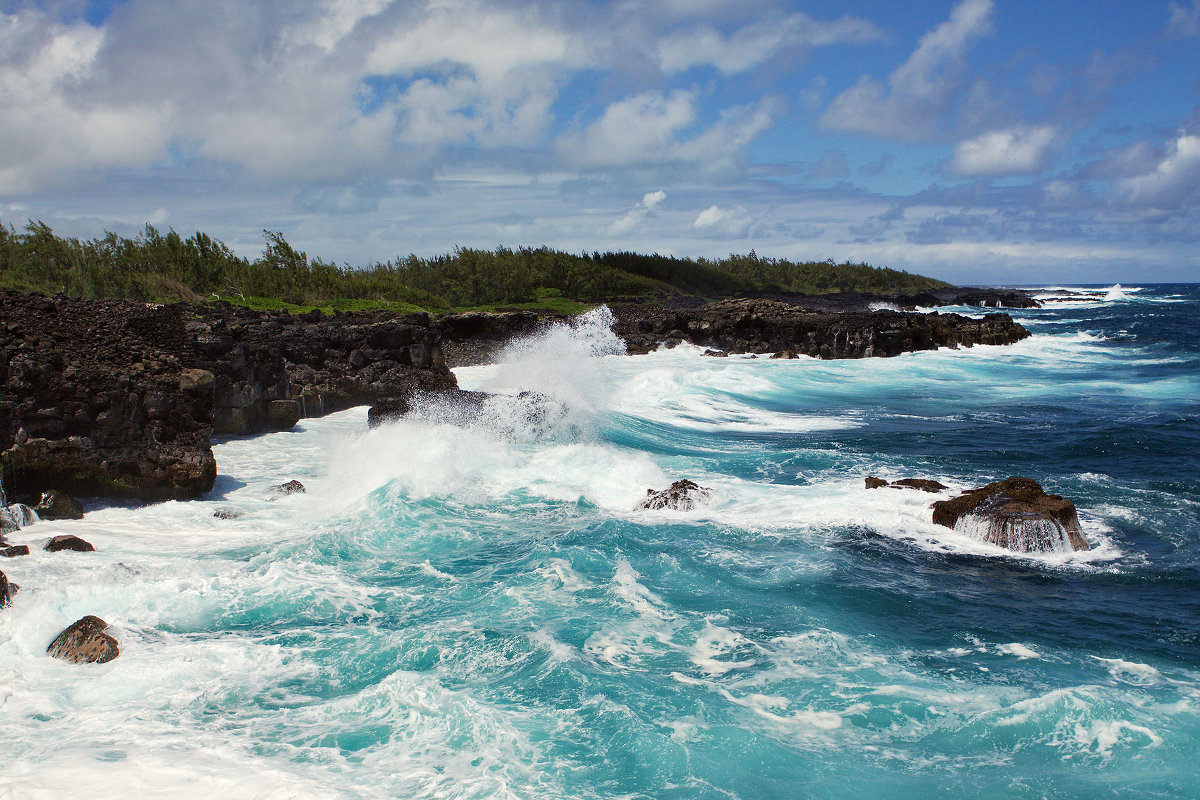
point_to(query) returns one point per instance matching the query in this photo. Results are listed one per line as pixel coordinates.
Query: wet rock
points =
(16, 516)
(7, 590)
(716, 353)
(228, 513)
(85, 642)
(14, 550)
(1015, 514)
(68, 542)
(923, 484)
(682, 495)
(58, 505)
(761, 326)
(785, 354)
(285, 489)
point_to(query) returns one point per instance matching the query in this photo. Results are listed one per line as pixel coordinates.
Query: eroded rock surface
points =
(58, 505)
(7, 590)
(768, 326)
(682, 495)
(1015, 514)
(67, 542)
(85, 642)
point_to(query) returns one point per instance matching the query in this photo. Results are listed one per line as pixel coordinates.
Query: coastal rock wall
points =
(767, 326)
(119, 398)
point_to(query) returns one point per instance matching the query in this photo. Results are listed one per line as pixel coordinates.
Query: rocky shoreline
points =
(119, 399)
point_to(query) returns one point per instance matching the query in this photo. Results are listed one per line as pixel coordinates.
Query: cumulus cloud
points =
(723, 222)
(1013, 151)
(753, 44)
(651, 129)
(919, 93)
(1173, 182)
(635, 215)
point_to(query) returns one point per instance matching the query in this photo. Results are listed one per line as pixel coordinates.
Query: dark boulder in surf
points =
(923, 484)
(1015, 514)
(58, 505)
(7, 590)
(15, 517)
(682, 495)
(14, 550)
(85, 642)
(285, 489)
(67, 542)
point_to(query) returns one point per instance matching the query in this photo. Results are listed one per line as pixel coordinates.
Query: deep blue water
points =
(484, 611)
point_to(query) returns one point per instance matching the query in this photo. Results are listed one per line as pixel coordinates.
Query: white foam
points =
(1019, 650)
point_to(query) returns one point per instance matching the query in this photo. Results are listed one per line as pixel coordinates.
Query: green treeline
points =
(165, 266)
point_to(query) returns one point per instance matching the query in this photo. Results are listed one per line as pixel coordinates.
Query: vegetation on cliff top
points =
(154, 266)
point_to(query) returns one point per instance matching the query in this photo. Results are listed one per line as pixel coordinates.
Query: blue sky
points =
(981, 141)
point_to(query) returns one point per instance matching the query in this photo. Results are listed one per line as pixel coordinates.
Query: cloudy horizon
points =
(978, 141)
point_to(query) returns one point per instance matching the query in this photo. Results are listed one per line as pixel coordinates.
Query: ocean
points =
(479, 608)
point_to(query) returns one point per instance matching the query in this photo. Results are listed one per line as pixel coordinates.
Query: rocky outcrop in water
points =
(118, 398)
(7, 590)
(477, 337)
(921, 484)
(766, 326)
(681, 495)
(68, 542)
(58, 505)
(85, 642)
(1015, 514)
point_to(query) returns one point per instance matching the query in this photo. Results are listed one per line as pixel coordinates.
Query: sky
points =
(977, 141)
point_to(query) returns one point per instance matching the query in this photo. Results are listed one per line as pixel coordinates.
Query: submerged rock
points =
(85, 642)
(228, 513)
(7, 590)
(1015, 514)
(68, 542)
(58, 505)
(682, 495)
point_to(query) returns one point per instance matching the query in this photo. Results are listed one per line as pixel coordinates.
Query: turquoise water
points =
(482, 610)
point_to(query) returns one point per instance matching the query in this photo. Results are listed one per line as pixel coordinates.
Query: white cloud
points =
(1174, 182)
(723, 222)
(757, 42)
(635, 130)
(1013, 151)
(1183, 21)
(635, 215)
(919, 92)
(491, 42)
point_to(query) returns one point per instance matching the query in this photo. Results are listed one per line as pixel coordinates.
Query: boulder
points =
(85, 642)
(7, 590)
(68, 542)
(228, 513)
(1015, 514)
(16, 516)
(682, 495)
(14, 550)
(924, 484)
(58, 505)
(284, 489)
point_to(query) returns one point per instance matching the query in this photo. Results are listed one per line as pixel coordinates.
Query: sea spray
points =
(456, 611)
